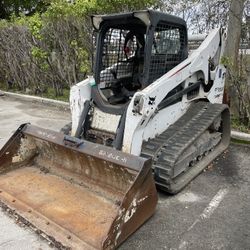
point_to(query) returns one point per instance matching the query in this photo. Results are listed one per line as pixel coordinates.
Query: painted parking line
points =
(207, 212)
(213, 204)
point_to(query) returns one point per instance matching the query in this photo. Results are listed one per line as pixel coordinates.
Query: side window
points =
(167, 49)
(167, 41)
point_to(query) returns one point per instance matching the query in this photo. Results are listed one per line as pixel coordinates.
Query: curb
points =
(65, 105)
(36, 99)
(240, 136)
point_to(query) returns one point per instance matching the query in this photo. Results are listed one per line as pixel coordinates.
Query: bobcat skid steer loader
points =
(149, 105)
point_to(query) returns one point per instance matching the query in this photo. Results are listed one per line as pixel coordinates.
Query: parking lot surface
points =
(212, 212)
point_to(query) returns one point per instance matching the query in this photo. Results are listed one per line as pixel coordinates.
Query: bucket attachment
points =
(75, 193)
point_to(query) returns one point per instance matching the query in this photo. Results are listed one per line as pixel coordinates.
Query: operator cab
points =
(133, 50)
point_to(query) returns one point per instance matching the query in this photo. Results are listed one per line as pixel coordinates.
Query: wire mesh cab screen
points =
(121, 62)
(114, 59)
(167, 50)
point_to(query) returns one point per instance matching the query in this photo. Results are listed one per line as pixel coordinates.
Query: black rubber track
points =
(167, 148)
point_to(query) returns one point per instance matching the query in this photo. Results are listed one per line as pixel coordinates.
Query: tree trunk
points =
(248, 46)
(234, 32)
(3, 12)
(233, 43)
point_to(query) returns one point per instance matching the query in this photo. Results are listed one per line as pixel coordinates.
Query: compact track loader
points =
(152, 113)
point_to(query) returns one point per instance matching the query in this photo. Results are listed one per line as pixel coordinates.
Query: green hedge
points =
(53, 49)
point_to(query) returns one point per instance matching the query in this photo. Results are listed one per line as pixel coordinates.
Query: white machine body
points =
(144, 120)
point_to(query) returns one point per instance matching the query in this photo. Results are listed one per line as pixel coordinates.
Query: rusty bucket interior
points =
(78, 194)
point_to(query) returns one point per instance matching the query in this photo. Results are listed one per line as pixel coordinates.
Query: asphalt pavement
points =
(212, 212)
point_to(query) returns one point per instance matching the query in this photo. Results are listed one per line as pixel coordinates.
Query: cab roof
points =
(148, 17)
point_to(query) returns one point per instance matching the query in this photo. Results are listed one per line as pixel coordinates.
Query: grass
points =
(237, 141)
(235, 124)
(50, 93)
